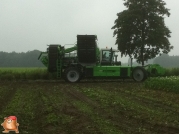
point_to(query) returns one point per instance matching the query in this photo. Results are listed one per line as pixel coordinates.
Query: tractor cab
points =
(108, 57)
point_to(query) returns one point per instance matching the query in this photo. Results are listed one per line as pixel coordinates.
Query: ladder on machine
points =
(59, 68)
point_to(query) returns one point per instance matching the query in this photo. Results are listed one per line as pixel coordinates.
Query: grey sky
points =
(32, 24)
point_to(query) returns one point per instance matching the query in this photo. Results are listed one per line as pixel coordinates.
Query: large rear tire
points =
(72, 75)
(139, 74)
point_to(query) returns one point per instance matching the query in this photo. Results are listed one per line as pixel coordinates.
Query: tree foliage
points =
(140, 30)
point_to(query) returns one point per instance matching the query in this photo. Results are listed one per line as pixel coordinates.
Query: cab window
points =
(106, 55)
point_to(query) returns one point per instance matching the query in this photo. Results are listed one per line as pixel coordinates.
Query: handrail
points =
(41, 54)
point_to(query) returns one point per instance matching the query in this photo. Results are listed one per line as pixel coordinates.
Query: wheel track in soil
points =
(125, 125)
(157, 128)
(38, 115)
(143, 100)
(83, 120)
(73, 96)
(69, 110)
(77, 125)
(152, 103)
(33, 122)
(8, 96)
(42, 115)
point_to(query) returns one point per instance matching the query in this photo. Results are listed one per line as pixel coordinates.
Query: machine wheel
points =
(72, 75)
(139, 74)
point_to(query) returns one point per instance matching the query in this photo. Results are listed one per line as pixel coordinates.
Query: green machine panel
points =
(111, 71)
(100, 71)
(106, 71)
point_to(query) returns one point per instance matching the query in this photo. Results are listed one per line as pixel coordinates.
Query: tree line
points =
(30, 59)
(167, 61)
(24, 59)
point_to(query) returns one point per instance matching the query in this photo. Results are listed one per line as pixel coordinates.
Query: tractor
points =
(86, 60)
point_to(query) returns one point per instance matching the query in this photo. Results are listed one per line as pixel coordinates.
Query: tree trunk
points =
(143, 36)
(142, 54)
(142, 45)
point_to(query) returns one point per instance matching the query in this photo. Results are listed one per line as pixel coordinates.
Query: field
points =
(89, 107)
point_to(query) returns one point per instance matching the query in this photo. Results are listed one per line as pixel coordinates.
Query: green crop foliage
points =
(25, 74)
(103, 124)
(172, 72)
(163, 83)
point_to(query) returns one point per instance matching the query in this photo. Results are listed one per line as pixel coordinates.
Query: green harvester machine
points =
(86, 60)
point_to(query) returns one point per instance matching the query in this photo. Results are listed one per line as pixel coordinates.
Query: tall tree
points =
(140, 29)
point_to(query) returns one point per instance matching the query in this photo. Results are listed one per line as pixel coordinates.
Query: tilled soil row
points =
(27, 124)
(117, 116)
(154, 102)
(8, 96)
(163, 107)
(128, 116)
(80, 122)
(121, 118)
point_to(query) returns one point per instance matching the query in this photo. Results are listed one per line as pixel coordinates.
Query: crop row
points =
(131, 106)
(172, 72)
(22, 105)
(108, 107)
(25, 74)
(163, 83)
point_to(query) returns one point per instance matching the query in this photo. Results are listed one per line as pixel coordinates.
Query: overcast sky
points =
(27, 25)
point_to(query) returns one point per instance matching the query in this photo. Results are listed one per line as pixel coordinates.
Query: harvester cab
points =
(109, 57)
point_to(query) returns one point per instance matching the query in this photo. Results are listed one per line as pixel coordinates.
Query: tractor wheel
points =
(139, 74)
(72, 75)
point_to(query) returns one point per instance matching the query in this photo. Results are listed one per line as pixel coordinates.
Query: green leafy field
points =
(111, 107)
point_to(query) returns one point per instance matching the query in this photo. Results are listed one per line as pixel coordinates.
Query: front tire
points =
(72, 75)
(139, 74)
